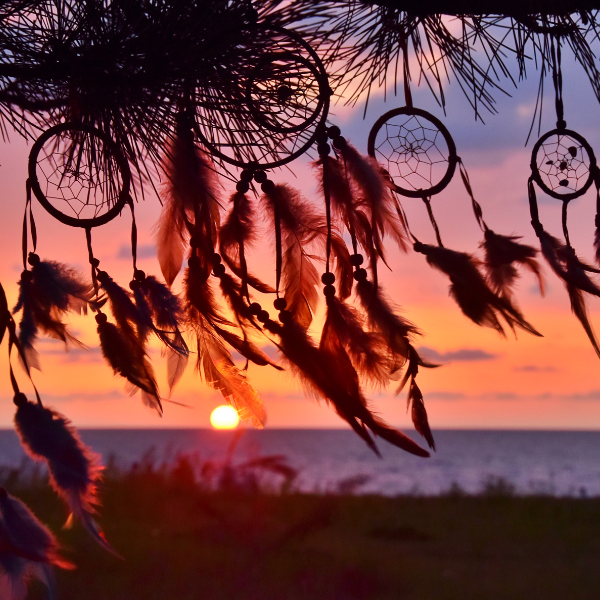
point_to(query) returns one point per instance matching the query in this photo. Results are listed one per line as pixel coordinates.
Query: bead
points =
(193, 261)
(242, 187)
(26, 275)
(215, 259)
(95, 263)
(339, 143)
(323, 149)
(268, 187)
(329, 291)
(101, 318)
(33, 259)
(272, 326)
(356, 260)
(20, 399)
(255, 308)
(195, 241)
(321, 137)
(279, 303)
(360, 275)
(102, 276)
(263, 316)
(260, 177)
(328, 278)
(219, 270)
(134, 285)
(418, 247)
(334, 132)
(246, 175)
(139, 275)
(285, 316)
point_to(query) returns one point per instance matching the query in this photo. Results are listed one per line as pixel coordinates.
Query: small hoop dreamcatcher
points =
(416, 150)
(79, 175)
(563, 165)
(270, 113)
(419, 159)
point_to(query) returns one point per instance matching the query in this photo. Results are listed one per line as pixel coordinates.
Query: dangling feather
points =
(27, 547)
(46, 293)
(572, 271)
(501, 252)
(214, 361)
(236, 236)
(329, 374)
(299, 275)
(191, 203)
(247, 349)
(219, 372)
(376, 195)
(74, 469)
(127, 357)
(597, 242)
(471, 292)
(5, 316)
(397, 331)
(419, 414)
(367, 349)
(232, 292)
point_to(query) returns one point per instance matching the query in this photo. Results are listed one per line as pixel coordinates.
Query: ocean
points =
(560, 463)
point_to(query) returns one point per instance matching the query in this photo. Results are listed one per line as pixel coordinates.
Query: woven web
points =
(77, 177)
(415, 151)
(285, 92)
(563, 164)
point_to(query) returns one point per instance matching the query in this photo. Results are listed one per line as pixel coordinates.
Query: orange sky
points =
(487, 382)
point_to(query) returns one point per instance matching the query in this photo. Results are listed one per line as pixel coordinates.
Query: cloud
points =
(143, 251)
(52, 399)
(460, 355)
(534, 369)
(74, 355)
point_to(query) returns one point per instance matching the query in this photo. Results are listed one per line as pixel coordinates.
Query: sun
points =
(224, 417)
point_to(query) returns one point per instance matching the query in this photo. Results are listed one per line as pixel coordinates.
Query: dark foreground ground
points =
(182, 543)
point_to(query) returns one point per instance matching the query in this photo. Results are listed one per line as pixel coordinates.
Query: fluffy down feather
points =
(471, 292)
(74, 469)
(27, 548)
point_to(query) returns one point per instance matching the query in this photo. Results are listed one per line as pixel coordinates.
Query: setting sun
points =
(224, 417)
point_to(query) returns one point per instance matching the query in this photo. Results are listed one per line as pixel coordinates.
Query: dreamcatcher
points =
(563, 165)
(420, 159)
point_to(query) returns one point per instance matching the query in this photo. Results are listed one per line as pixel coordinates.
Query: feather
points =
(165, 312)
(471, 292)
(219, 372)
(46, 293)
(501, 252)
(299, 226)
(235, 236)
(419, 413)
(191, 203)
(572, 271)
(27, 547)
(176, 366)
(74, 469)
(367, 349)
(328, 372)
(214, 361)
(597, 242)
(232, 292)
(247, 349)
(397, 331)
(376, 195)
(127, 357)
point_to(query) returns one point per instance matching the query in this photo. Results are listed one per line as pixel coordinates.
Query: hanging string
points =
(13, 340)
(557, 80)
(133, 235)
(93, 261)
(406, 72)
(278, 249)
(476, 206)
(564, 223)
(427, 201)
(533, 208)
(28, 213)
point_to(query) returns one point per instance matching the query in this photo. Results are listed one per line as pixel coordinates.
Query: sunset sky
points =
(486, 381)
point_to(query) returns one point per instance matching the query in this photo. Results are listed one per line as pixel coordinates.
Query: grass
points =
(184, 541)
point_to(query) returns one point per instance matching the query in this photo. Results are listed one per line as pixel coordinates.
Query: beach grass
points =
(181, 541)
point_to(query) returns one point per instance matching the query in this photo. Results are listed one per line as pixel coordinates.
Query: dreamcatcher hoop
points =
(564, 164)
(413, 149)
(271, 131)
(84, 173)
